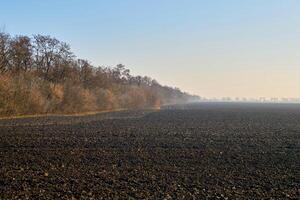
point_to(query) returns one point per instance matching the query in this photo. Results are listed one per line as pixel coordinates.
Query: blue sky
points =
(213, 48)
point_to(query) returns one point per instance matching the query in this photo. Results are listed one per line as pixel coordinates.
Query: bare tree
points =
(21, 52)
(63, 64)
(86, 73)
(46, 50)
(4, 51)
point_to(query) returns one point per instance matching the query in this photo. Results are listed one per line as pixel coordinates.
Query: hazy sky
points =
(213, 48)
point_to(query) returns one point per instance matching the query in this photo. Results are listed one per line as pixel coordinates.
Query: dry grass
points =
(28, 95)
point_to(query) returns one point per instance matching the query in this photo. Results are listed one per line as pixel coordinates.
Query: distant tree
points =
(121, 74)
(86, 73)
(4, 51)
(21, 54)
(102, 79)
(136, 80)
(147, 81)
(46, 50)
(63, 63)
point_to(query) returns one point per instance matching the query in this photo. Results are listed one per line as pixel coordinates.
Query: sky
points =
(212, 48)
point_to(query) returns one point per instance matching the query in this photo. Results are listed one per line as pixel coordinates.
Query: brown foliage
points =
(41, 75)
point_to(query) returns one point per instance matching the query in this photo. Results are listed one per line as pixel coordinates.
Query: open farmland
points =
(208, 150)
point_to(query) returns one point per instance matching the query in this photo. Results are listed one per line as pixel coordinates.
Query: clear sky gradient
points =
(213, 48)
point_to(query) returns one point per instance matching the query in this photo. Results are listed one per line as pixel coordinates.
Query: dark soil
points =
(217, 151)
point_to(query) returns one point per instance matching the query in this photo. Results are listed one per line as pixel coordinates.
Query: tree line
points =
(40, 74)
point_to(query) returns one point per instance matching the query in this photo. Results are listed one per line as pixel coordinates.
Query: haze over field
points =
(211, 48)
